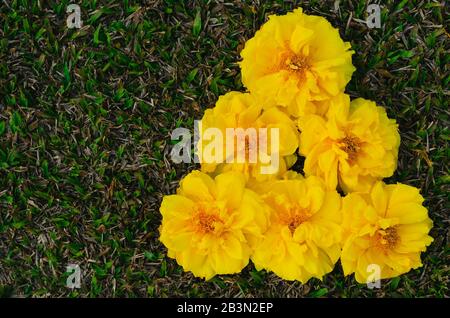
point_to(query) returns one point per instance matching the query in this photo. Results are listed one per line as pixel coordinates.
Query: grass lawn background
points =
(86, 117)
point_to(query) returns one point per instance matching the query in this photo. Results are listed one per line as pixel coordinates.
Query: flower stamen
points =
(206, 222)
(295, 217)
(388, 238)
(298, 64)
(351, 145)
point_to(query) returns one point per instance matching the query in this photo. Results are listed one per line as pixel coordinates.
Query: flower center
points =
(206, 222)
(297, 64)
(351, 145)
(295, 217)
(388, 238)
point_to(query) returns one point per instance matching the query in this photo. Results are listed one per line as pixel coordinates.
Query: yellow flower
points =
(240, 110)
(303, 238)
(210, 225)
(355, 145)
(296, 60)
(387, 227)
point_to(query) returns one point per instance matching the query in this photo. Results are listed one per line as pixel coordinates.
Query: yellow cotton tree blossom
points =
(296, 60)
(387, 227)
(355, 145)
(211, 225)
(236, 110)
(303, 239)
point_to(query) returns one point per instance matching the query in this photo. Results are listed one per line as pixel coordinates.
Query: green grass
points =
(85, 122)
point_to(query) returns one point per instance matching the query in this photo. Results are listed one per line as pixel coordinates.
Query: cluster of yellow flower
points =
(296, 68)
